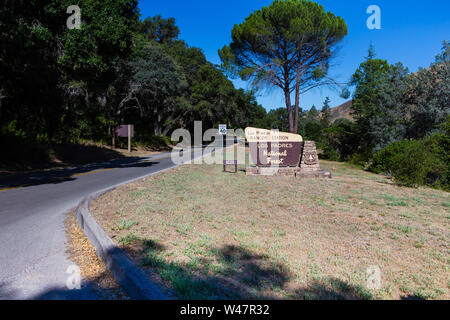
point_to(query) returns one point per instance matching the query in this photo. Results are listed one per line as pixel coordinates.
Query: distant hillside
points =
(342, 111)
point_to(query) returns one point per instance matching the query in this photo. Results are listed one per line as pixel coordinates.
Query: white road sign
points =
(223, 129)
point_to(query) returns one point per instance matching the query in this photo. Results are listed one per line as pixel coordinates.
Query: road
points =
(33, 261)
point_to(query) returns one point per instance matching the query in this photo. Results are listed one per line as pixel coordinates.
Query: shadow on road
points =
(90, 290)
(64, 175)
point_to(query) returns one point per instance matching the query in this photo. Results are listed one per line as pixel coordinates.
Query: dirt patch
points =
(93, 269)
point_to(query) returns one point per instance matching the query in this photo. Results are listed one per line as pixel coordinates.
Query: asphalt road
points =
(33, 261)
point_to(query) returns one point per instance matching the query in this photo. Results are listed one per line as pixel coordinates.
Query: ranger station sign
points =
(273, 148)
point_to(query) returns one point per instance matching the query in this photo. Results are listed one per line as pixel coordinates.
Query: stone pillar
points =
(310, 158)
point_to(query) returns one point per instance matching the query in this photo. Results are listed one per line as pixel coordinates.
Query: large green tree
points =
(210, 96)
(288, 45)
(367, 81)
(65, 85)
(155, 86)
(430, 96)
(389, 119)
(54, 78)
(325, 116)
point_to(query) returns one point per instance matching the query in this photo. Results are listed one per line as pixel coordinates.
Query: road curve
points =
(33, 261)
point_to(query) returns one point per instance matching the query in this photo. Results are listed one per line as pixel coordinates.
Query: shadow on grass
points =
(239, 274)
(234, 273)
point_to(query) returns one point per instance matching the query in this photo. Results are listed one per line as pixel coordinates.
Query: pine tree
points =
(288, 45)
(325, 116)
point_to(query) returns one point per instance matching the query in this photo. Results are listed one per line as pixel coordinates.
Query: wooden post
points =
(224, 139)
(129, 138)
(113, 129)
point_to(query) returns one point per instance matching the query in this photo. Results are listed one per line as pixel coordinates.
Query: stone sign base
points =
(288, 172)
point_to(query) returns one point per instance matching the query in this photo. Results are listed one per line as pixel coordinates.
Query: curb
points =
(125, 272)
(127, 275)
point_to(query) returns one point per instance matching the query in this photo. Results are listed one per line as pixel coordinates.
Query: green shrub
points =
(330, 154)
(151, 141)
(361, 158)
(341, 140)
(439, 145)
(382, 161)
(410, 163)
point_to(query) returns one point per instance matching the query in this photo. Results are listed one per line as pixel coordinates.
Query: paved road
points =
(33, 261)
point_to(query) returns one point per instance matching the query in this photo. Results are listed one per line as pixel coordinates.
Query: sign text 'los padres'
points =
(274, 148)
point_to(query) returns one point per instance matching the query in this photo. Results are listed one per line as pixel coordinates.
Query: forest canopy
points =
(60, 85)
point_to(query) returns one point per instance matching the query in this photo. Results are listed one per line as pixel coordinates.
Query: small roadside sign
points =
(126, 131)
(223, 129)
(122, 131)
(227, 163)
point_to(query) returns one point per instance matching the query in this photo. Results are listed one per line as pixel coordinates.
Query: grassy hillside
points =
(341, 112)
(209, 234)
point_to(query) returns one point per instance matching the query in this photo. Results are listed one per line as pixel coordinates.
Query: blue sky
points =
(411, 32)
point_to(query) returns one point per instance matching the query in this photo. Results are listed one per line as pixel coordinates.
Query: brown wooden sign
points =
(122, 131)
(273, 148)
(233, 163)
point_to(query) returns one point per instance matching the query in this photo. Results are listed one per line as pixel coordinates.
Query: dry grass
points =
(93, 269)
(210, 234)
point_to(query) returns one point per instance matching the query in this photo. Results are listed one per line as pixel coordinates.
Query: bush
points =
(439, 145)
(341, 140)
(361, 158)
(330, 154)
(149, 141)
(410, 163)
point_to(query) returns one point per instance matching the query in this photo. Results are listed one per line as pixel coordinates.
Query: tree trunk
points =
(287, 97)
(113, 136)
(157, 126)
(157, 122)
(297, 101)
(157, 129)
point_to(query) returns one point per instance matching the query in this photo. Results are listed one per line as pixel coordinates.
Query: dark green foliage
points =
(161, 30)
(210, 96)
(277, 119)
(312, 115)
(65, 86)
(156, 82)
(313, 131)
(400, 114)
(414, 163)
(367, 81)
(341, 140)
(389, 119)
(406, 161)
(430, 99)
(325, 115)
(439, 145)
(391, 105)
(56, 81)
